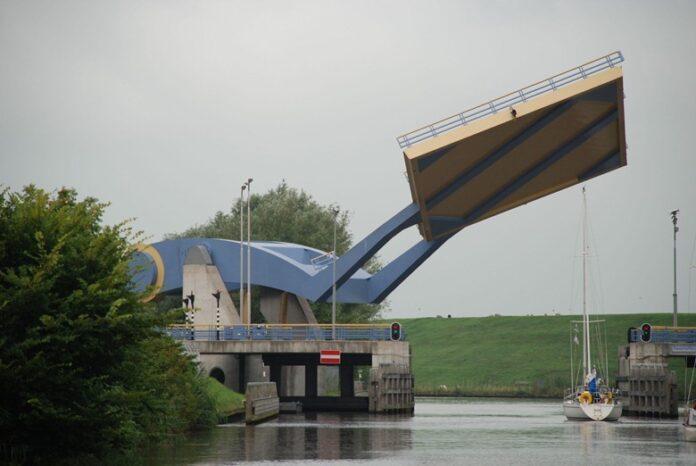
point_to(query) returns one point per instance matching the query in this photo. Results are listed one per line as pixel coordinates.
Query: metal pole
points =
(333, 287)
(586, 362)
(241, 254)
(676, 229)
(249, 250)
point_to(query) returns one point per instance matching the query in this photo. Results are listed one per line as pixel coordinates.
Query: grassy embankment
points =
(511, 356)
(227, 402)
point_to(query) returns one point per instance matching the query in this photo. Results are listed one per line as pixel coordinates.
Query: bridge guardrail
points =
(666, 335)
(508, 100)
(283, 332)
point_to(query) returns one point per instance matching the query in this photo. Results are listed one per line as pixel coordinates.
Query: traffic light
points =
(645, 332)
(395, 331)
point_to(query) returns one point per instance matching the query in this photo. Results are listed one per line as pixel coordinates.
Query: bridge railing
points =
(666, 335)
(284, 332)
(508, 100)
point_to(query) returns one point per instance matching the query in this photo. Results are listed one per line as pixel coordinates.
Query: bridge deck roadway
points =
(383, 352)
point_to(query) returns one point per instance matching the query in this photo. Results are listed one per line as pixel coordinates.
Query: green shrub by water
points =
(511, 356)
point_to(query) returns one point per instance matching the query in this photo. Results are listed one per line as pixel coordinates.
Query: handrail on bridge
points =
(508, 100)
(666, 334)
(283, 332)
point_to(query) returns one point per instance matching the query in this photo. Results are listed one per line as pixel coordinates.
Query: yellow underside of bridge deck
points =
(519, 154)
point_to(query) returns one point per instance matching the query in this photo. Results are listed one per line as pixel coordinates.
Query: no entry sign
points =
(330, 356)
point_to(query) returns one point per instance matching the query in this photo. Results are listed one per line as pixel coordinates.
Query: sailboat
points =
(689, 425)
(593, 400)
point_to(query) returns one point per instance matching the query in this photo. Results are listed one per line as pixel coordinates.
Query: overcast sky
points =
(164, 108)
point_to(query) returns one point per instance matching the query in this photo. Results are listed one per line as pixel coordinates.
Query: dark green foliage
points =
(290, 215)
(83, 368)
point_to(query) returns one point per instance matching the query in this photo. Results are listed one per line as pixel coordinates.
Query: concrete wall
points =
(261, 402)
(391, 382)
(280, 307)
(383, 352)
(647, 384)
(203, 281)
(391, 389)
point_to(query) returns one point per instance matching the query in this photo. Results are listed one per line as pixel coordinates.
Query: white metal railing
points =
(322, 261)
(508, 100)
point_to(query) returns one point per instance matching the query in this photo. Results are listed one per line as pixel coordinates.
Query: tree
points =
(291, 215)
(83, 366)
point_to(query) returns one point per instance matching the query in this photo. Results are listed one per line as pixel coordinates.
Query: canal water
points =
(443, 431)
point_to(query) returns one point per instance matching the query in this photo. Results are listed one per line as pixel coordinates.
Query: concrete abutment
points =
(294, 368)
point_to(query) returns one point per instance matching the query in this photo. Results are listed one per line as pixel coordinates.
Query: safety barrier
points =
(508, 100)
(666, 335)
(284, 332)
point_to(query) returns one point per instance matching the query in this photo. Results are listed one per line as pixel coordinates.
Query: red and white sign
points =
(330, 356)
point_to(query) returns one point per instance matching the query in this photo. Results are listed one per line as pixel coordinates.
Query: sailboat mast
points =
(586, 362)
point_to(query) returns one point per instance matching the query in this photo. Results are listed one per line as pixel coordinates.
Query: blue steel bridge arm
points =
(383, 282)
(319, 287)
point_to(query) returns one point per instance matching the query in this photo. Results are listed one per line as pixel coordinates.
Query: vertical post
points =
(585, 324)
(186, 316)
(192, 298)
(241, 254)
(333, 286)
(676, 229)
(248, 303)
(217, 295)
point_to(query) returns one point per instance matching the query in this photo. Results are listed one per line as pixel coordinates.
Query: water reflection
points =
(451, 431)
(310, 436)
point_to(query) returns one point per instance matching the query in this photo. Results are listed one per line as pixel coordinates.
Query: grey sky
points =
(164, 108)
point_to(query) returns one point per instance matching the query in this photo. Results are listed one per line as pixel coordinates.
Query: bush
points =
(84, 369)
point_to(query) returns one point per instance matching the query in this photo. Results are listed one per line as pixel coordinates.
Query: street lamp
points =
(217, 295)
(241, 252)
(248, 183)
(676, 229)
(191, 297)
(333, 287)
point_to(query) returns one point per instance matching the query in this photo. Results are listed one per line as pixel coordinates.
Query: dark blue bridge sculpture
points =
(463, 169)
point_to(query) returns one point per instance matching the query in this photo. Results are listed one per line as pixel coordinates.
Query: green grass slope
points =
(510, 356)
(227, 402)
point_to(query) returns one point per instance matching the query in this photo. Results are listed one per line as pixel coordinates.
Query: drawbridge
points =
(463, 169)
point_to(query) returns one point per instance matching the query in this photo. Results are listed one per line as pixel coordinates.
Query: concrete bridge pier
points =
(295, 368)
(648, 385)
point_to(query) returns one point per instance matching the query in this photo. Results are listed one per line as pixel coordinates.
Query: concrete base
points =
(649, 388)
(261, 403)
(294, 367)
(391, 389)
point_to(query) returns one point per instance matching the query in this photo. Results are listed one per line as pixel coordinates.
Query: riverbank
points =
(228, 404)
(511, 356)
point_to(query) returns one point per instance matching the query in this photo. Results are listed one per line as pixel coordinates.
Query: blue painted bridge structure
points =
(463, 169)
(292, 267)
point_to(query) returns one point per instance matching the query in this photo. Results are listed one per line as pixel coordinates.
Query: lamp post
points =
(676, 229)
(186, 316)
(333, 286)
(241, 253)
(217, 295)
(248, 183)
(191, 297)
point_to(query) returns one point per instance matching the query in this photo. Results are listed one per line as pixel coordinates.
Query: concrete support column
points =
(346, 378)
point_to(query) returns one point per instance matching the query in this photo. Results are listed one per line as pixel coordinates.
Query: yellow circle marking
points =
(159, 267)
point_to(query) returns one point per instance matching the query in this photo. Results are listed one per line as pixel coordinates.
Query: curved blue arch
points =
(288, 266)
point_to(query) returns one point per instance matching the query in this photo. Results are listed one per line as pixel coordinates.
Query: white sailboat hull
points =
(690, 433)
(576, 411)
(690, 425)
